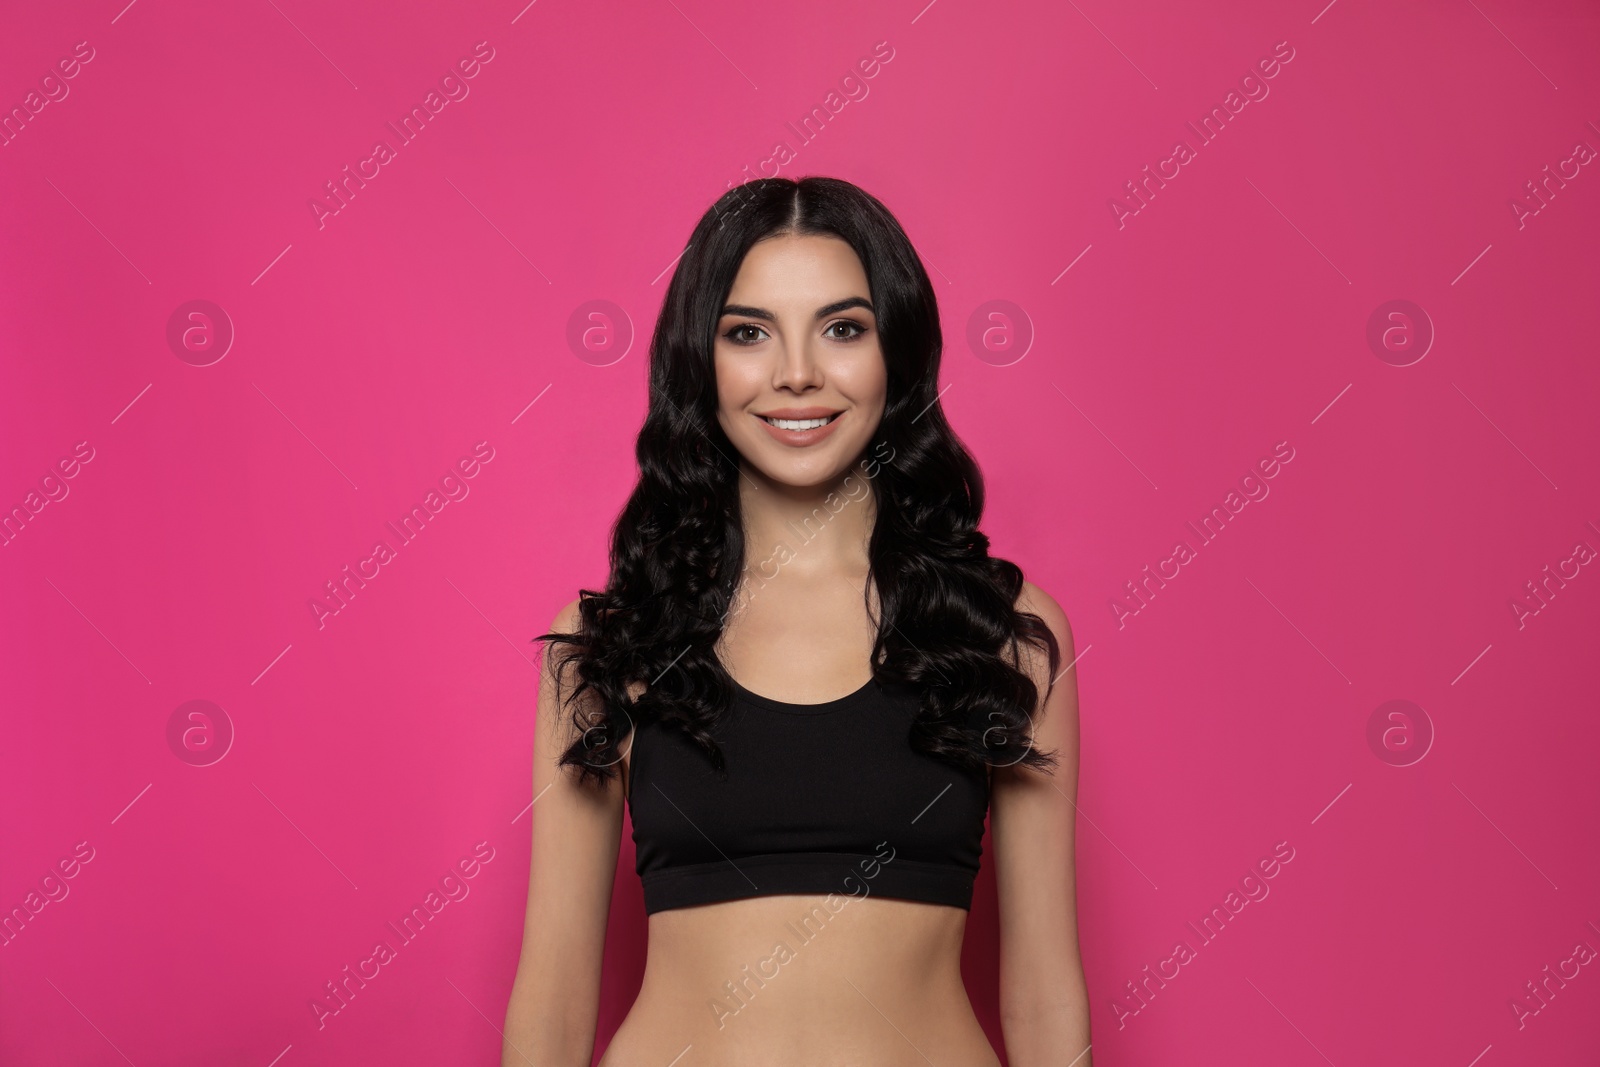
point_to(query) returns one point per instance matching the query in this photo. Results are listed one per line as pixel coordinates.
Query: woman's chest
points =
(844, 780)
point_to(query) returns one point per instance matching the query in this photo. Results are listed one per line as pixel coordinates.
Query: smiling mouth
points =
(799, 424)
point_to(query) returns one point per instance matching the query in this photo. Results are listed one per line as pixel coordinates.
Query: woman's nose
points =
(797, 368)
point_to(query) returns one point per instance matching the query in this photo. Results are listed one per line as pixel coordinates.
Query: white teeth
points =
(799, 424)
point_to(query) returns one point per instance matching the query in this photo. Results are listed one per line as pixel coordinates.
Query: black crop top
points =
(819, 798)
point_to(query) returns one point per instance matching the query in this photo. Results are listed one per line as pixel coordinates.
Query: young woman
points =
(809, 682)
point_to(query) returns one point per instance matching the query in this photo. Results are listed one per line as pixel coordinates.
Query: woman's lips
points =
(799, 438)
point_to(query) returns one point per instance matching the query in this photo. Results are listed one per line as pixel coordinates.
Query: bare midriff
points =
(787, 981)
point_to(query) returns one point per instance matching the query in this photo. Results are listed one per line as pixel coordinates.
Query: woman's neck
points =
(806, 528)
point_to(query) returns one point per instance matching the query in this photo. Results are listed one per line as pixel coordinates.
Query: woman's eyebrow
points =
(747, 312)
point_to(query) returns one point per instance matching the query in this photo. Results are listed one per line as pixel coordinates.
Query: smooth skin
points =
(881, 985)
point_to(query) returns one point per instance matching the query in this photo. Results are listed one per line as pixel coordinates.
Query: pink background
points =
(1230, 713)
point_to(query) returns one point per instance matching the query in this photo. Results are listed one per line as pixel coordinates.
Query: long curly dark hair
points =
(946, 621)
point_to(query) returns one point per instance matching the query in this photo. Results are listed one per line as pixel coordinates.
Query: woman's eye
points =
(856, 326)
(739, 337)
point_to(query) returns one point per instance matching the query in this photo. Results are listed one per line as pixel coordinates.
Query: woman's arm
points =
(555, 1000)
(1044, 1003)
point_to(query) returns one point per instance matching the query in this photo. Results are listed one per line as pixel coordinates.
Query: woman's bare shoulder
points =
(1036, 601)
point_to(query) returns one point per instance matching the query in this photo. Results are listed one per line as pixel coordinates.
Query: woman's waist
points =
(764, 934)
(769, 988)
(774, 1033)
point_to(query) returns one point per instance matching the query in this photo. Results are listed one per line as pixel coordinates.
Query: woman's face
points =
(801, 382)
